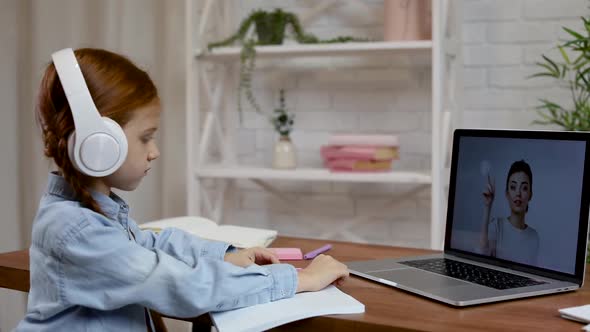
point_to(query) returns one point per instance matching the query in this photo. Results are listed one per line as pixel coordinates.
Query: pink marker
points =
(314, 253)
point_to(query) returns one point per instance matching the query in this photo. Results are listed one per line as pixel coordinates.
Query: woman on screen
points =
(510, 237)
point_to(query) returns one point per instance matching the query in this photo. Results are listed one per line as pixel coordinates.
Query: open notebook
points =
(238, 236)
(329, 301)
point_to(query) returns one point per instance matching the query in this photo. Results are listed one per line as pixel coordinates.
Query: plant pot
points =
(284, 156)
(270, 28)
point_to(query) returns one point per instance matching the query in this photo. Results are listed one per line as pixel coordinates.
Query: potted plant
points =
(282, 120)
(271, 28)
(571, 71)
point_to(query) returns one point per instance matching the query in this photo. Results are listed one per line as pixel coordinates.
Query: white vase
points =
(284, 156)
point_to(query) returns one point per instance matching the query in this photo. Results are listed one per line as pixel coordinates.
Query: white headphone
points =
(98, 146)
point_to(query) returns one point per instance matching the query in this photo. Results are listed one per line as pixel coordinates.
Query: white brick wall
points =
(491, 10)
(550, 9)
(515, 31)
(502, 39)
(492, 54)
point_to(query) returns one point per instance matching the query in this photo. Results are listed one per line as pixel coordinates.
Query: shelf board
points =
(309, 174)
(298, 50)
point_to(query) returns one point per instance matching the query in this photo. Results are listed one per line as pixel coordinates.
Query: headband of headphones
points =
(86, 116)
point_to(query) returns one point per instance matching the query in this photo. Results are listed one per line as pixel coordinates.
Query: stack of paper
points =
(329, 301)
(238, 236)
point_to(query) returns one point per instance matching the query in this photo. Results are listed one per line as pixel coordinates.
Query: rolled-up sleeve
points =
(180, 244)
(101, 268)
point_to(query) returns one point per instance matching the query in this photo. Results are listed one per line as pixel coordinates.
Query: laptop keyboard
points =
(472, 273)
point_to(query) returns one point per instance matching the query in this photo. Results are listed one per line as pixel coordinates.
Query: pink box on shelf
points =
(363, 139)
(288, 254)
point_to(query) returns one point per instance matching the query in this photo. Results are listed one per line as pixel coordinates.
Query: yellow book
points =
(352, 165)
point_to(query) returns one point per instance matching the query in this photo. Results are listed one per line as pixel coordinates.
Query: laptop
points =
(517, 221)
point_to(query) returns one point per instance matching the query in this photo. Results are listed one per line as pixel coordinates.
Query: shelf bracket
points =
(214, 209)
(212, 127)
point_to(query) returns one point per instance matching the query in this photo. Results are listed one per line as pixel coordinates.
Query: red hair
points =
(117, 86)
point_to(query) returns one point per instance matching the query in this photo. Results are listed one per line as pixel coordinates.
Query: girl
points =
(511, 237)
(92, 268)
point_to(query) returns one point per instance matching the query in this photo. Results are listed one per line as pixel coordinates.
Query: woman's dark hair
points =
(520, 166)
(117, 87)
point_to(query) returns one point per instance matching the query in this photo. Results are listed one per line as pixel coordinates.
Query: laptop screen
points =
(517, 197)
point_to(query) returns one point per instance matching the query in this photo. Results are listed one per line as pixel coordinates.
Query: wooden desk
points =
(388, 308)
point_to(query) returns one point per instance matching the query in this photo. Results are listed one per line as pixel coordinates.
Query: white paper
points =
(329, 301)
(239, 236)
(579, 313)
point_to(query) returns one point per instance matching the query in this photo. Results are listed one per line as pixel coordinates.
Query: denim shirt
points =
(88, 273)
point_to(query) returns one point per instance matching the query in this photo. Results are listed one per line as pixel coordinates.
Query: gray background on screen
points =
(554, 209)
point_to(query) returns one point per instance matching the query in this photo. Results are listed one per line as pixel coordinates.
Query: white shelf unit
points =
(446, 66)
(299, 50)
(220, 171)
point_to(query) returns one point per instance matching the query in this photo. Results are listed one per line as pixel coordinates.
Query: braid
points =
(77, 180)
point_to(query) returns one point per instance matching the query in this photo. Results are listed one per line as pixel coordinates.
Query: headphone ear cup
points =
(116, 133)
(71, 144)
(119, 135)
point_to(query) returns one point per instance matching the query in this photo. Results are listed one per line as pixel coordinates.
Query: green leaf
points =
(541, 74)
(550, 70)
(564, 70)
(573, 33)
(564, 55)
(580, 62)
(582, 75)
(552, 64)
(578, 59)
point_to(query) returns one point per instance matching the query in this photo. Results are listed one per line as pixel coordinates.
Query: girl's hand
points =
(247, 257)
(321, 272)
(489, 192)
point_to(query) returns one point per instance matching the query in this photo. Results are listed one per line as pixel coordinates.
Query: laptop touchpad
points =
(418, 279)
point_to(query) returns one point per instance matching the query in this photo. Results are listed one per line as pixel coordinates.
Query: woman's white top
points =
(511, 243)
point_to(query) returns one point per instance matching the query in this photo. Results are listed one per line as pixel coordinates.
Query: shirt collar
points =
(111, 205)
